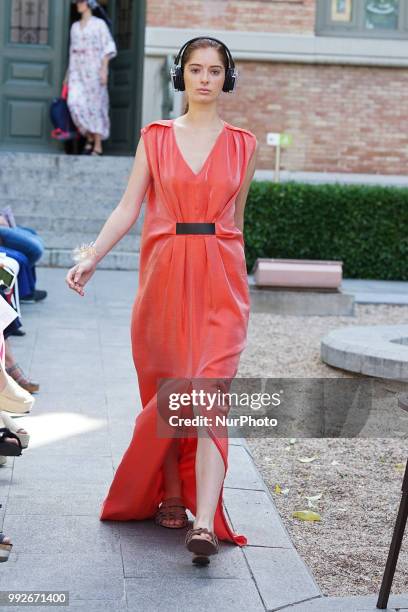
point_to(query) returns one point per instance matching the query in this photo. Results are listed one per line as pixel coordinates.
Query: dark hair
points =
(100, 12)
(97, 11)
(203, 43)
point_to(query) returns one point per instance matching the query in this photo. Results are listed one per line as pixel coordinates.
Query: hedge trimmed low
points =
(364, 226)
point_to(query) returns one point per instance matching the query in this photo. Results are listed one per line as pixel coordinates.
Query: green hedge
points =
(364, 226)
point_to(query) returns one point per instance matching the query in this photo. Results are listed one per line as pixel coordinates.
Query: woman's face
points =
(82, 6)
(204, 70)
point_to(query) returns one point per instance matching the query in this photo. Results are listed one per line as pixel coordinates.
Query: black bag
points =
(61, 119)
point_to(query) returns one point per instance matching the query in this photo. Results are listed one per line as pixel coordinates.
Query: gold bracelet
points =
(84, 251)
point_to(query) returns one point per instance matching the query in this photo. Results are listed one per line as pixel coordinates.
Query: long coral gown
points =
(191, 310)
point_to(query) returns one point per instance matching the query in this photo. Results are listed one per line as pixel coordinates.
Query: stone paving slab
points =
(291, 581)
(376, 292)
(253, 514)
(193, 595)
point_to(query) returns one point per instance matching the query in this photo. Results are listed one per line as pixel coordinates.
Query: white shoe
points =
(14, 398)
(3, 460)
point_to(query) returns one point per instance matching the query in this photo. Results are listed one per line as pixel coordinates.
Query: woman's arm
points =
(243, 192)
(104, 71)
(127, 211)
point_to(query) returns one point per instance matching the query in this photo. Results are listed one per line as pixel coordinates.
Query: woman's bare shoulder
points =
(160, 122)
(239, 129)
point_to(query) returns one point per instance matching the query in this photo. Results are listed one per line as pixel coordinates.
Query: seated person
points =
(24, 245)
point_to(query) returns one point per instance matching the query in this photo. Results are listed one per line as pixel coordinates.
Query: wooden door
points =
(33, 36)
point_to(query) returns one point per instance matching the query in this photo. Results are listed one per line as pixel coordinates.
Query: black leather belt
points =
(195, 228)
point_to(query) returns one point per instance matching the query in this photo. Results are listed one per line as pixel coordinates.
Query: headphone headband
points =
(181, 51)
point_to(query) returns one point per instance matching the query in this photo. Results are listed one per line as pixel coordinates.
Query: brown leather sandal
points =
(201, 547)
(17, 373)
(171, 509)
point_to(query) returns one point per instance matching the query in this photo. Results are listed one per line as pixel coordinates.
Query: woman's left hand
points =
(104, 75)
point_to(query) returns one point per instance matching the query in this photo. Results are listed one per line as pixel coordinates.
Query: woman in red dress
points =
(190, 315)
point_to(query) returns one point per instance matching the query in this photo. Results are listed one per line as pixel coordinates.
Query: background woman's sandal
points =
(171, 509)
(88, 147)
(201, 547)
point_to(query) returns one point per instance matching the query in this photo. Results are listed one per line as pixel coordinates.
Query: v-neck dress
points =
(190, 315)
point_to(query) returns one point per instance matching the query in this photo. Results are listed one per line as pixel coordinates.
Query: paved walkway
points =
(79, 350)
(376, 292)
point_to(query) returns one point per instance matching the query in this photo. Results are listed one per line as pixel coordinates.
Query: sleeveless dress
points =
(190, 314)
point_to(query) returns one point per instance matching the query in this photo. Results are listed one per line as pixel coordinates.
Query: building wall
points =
(251, 15)
(338, 98)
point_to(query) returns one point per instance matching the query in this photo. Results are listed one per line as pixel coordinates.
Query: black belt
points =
(195, 228)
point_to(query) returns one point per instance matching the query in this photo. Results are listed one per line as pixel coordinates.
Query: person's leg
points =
(98, 143)
(28, 229)
(25, 278)
(24, 241)
(14, 370)
(210, 472)
(89, 142)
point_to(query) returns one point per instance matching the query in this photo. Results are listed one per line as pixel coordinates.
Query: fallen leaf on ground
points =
(306, 515)
(307, 459)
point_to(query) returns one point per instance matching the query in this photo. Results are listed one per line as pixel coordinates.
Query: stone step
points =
(67, 200)
(61, 190)
(69, 240)
(94, 205)
(77, 225)
(24, 161)
(114, 260)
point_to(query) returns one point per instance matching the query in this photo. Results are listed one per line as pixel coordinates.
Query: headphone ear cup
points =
(229, 81)
(181, 79)
(177, 78)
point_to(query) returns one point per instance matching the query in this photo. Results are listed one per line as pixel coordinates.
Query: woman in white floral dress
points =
(91, 48)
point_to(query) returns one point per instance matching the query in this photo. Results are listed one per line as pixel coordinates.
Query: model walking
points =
(190, 315)
(91, 49)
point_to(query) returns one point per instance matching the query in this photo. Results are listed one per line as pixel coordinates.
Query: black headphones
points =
(176, 73)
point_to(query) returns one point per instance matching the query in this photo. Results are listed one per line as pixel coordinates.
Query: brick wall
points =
(342, 118)
(284, 16)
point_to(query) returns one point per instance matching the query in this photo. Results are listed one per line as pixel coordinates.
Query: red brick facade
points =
(343, 118)
(284, 16)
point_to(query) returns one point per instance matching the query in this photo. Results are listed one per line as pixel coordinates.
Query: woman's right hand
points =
(79, 275)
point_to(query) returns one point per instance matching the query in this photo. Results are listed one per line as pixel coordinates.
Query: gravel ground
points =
(359, 479)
